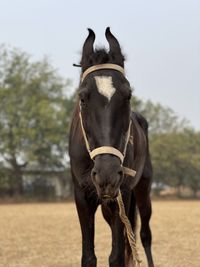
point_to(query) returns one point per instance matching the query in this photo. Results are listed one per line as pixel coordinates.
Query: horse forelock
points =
(102, 56)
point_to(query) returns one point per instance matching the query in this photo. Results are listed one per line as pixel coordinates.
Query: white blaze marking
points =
(105, 86)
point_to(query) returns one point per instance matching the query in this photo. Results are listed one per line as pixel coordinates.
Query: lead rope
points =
(129, 232)
(122, 214)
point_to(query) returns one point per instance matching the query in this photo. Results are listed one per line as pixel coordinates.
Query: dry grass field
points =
(48, 235)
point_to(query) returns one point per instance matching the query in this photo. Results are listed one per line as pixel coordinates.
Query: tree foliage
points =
(160, 119)
(34, 114)
(174, 146)
(176, 159)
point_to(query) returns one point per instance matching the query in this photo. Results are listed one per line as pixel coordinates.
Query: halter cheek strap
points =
(109, 149)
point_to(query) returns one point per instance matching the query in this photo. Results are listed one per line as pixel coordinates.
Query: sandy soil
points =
(48, 235)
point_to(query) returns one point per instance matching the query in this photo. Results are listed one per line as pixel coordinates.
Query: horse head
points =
(104, 97)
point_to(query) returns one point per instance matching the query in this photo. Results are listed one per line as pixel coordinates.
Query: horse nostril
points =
(120, 173)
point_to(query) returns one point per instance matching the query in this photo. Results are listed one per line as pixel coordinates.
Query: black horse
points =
(103, 118)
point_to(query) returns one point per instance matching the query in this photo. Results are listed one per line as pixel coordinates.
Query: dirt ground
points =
(48, 235)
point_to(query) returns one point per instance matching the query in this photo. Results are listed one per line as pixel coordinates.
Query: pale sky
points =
(161, 40)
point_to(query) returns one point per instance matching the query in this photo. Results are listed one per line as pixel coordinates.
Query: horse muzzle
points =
(107, 176)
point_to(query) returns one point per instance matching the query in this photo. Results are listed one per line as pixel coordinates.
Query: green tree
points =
(175, 159)
(34, 114)
(192, 139)
(161, 119)
(174, 147)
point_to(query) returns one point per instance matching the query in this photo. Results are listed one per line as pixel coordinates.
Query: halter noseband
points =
(107, 149)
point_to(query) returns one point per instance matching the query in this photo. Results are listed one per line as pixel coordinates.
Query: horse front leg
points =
(111, 215)
(86, 210)
(117, 256)
(144, 205)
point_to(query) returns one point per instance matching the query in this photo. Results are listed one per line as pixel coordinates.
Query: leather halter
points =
(107, 149)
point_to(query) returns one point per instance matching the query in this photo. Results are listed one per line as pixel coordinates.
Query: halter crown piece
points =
(107, 149)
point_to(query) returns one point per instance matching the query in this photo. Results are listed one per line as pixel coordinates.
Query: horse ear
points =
(113, 42)
(88, 45)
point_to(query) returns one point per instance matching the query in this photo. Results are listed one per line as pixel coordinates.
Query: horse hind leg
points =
(142, 193)
(145, 232)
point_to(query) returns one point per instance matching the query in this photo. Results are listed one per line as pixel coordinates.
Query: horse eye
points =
(83, 97)
(127, 94)
(129, 97)
(83, 102)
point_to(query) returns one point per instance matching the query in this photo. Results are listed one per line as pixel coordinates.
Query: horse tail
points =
(132, 215)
